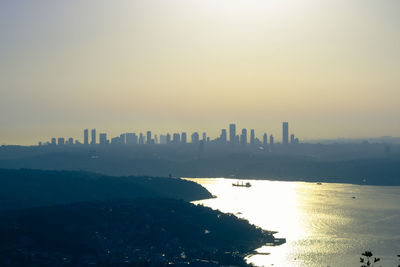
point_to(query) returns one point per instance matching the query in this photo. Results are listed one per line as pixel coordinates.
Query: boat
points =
(242, 184)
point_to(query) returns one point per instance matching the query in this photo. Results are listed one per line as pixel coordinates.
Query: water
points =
(324, 225)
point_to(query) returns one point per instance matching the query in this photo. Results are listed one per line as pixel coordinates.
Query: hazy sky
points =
(330, 68)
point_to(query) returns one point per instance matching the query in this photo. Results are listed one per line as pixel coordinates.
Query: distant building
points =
(195, 138)
(122, 139)
(168, 138)
(176, 139)
(223, 136)
(131, 139)
(184, 138)
(86, 136)
(60, 141)
(93, 137)
(285, 133)
(116, 141)
(271, 140)
(149, 139)
(70, 141)
(252, 137)
(53, 141)
(292, 139)
(204, 137)
(103, 139)
(141, 139)
(243, 137)
(265, 139)
(155, 140)
(163, 139)
(232, 133)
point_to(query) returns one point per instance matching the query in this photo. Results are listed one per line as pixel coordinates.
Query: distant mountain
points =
(29, 188)
(356, 164)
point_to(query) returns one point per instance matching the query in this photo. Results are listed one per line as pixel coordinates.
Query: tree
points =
(367, 260)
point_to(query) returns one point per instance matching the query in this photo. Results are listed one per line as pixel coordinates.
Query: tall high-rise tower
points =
(184, 138)
(252, 137)
(149, 139)
(243, 137)
(232, 133)
(86, 136)
(265, 139)
(285, 133)
(93, 137)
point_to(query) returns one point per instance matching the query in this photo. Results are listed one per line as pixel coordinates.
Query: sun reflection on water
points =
(324, 225)
(270, 205)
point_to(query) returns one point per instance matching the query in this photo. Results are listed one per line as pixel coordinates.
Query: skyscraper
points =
(292, 138)
(265, 139)
(232, 133)
(168, 138)
(195, 138)
(53, 141)
(223, 136)
(243, 137)
(141, 139)
(271, 139)
(103, 139)
(86, 136)
(93, 137)
(184, 138)
(176, 139)
(149, 139)
(204, 137)
(285, 133)
(60, 141)
(252, 137)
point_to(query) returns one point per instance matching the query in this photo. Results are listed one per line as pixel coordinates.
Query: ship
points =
(242, 184)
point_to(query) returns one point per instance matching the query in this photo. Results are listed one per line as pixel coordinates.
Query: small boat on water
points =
(242, 184)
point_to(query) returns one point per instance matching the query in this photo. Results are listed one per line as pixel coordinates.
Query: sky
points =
(329, 68)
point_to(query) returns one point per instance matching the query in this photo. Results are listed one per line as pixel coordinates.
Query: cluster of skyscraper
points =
(179, 138)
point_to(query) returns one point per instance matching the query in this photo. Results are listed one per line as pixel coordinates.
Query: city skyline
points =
(151, 138)
(331, 67)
